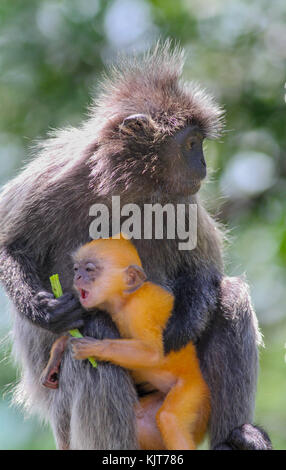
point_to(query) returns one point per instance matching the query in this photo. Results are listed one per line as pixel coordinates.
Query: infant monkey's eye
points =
(90, 267)
(75, 268)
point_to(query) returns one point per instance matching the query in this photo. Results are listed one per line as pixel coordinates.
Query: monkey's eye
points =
(188, 144)
(75, 268)
(90, 267)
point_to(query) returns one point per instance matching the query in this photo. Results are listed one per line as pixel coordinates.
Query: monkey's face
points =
(97, 282)
(148, 159)
(184, 162)
(86, 273)
(174, 164)
(105, 271)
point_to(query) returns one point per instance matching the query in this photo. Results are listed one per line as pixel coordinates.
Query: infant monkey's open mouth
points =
(83, 293)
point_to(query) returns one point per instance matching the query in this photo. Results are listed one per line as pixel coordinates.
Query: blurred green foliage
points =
(51, 55)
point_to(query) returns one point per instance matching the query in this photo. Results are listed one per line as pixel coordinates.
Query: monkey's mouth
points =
(83, 294)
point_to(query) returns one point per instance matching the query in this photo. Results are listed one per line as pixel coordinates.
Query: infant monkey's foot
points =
(50, 378)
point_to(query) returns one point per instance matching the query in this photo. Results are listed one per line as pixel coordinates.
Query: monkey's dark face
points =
(185, 165)
(175, 163)
(149, 158)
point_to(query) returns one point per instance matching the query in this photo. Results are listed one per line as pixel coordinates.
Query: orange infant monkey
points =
(109, 276)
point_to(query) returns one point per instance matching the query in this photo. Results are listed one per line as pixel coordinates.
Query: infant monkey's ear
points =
(134, 276)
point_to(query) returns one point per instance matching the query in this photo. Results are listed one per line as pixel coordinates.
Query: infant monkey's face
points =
(106, 271)
(86, 273)
(97, 281)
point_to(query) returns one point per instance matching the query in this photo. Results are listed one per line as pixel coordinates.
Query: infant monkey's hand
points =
(82, 348)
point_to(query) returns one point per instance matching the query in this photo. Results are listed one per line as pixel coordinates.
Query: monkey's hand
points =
(61, 314)
(82, 348)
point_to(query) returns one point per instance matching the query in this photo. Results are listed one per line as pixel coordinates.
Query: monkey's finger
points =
(79, 351)
(89, 339)
(84, 348)
(43, 295)
(77, 342)
(85, 342)
(46, 300)
(66, 300)
(58, 309)
(43, 302)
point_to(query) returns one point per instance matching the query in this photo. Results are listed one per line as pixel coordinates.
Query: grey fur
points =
(228, 354)
(44, 218)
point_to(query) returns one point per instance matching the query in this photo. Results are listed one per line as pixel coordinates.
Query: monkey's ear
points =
(135, 276)
(134, 122)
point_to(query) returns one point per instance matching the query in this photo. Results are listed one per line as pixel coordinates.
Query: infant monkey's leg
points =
(183, 417)
(50, 375)
(148, 433)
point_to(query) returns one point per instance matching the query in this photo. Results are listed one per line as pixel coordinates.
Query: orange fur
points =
(141, 316)
(176, 416)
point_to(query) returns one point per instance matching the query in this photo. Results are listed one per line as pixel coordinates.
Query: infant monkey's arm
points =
(129, 353)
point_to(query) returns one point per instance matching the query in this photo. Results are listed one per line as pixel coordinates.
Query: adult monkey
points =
(142, 141)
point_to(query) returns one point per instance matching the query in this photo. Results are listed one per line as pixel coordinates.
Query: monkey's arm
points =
(18, 274)
(129, 353)
(196, 297)
(228, 354)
